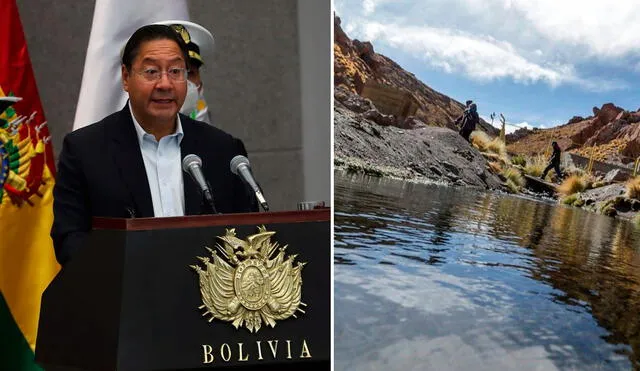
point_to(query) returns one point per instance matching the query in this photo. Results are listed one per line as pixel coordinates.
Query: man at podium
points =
(129, 164)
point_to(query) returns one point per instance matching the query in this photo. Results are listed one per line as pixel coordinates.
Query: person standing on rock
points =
(554, 162)
(468, 121)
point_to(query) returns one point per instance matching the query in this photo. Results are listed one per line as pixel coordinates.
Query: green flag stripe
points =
(15, 353)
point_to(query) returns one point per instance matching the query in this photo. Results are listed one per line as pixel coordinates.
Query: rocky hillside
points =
(612, 134)
(356, 63)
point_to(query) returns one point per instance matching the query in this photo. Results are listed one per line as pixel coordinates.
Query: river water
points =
(437, 278)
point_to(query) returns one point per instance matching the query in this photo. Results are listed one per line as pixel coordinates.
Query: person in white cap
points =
(199, 42)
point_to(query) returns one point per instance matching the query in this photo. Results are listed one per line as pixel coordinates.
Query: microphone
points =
(241, 167)
(192, 164)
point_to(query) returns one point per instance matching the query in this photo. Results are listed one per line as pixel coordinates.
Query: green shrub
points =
(519, 160)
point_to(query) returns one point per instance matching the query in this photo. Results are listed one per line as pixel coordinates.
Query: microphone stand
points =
(265, 205)
(208, 198)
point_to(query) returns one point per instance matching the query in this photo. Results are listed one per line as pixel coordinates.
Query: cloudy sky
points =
(539, 62)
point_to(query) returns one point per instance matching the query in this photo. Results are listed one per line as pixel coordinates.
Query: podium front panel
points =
(163, 326)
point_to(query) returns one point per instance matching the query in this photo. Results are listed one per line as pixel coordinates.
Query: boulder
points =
(607, 133)
(586, 132)
(631, 133)
(603, 193)
(616, 175)
(624, 115)
(354, 102)
(631, 150)
(380, 118)
(608, 113)
(366, 53)
(575, 119)
(412, 122)
(603, 117)
(633, 117)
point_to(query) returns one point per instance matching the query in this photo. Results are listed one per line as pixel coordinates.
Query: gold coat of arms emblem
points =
(250, 282)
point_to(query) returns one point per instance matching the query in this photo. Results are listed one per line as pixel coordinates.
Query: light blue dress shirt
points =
(163, 164)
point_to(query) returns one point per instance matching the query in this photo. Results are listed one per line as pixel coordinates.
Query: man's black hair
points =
(150, 33)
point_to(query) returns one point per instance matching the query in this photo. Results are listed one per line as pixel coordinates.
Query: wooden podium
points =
(132, 300)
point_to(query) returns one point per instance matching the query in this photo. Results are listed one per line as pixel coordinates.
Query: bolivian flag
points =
(27, 261)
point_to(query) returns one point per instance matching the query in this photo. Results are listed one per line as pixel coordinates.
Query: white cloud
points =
(369, 6)
(605, 29)
(523, 40)
(578, 27)
(479, 58)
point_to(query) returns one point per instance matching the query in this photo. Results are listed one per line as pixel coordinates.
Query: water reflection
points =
(430, 277)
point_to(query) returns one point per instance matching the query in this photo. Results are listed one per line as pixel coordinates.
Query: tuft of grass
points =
(497, 146)
(512, 187)
(493, 149)
(493, 157)
(480, 140)
(495, 167)
(535, 166)
(573, 170)
(608, 208)
(633, 188)
(514, 176)
(519, 160)
(570, 199)
(573, 200)
(588, 180)
(636, 220)
(572, 184)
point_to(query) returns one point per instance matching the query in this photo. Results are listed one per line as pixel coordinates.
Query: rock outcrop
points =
(603, 117)
(424, 152)
(611, 135)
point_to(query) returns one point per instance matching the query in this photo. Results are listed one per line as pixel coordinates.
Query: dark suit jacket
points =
(101, 174)
(555, 156)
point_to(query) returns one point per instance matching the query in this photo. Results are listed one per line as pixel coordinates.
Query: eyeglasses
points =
(154, 75)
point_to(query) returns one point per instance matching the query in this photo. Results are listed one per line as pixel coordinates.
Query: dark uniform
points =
(554, 162)
(468, 121)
